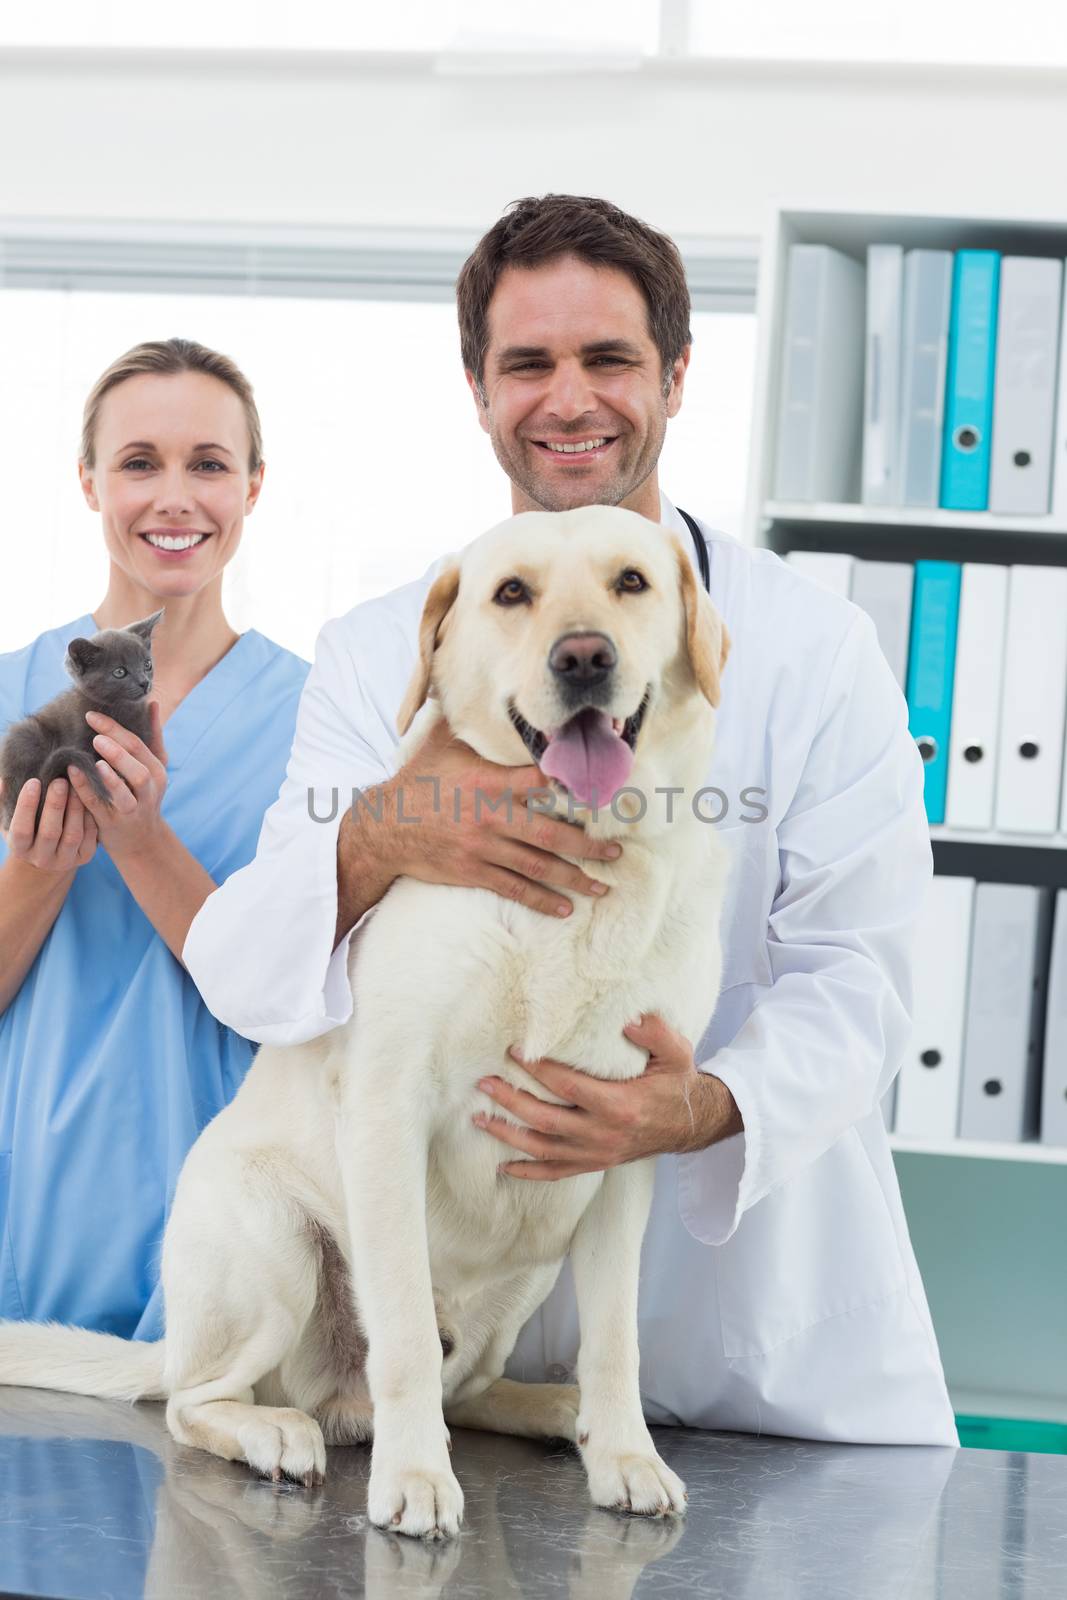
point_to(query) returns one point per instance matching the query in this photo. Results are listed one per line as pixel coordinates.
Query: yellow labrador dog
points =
(342, 1258)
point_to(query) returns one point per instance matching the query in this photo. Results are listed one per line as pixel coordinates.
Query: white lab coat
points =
(779, 1291)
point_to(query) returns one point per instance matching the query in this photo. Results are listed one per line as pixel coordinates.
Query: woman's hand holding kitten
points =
(135, 775)
(112, 678)
(74, 818)
(67, 836)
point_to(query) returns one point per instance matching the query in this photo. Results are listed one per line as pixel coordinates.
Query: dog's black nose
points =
(582, 658)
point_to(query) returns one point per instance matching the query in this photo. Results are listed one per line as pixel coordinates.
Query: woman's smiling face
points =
(171, 465)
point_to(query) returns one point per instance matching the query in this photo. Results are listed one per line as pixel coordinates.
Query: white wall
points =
(385, 141)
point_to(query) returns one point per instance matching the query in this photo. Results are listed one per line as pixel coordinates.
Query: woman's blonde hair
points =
(169, 356)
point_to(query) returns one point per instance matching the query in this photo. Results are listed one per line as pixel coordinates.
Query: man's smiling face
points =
(573, 389)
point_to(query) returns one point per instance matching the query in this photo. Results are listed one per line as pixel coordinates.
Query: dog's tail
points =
(51, 1355)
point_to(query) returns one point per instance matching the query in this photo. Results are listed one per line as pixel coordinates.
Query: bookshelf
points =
(984, 1217)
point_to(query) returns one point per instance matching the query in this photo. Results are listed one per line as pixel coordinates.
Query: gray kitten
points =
(112, 673)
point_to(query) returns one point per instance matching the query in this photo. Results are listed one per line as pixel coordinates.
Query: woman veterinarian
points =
(110, 1063)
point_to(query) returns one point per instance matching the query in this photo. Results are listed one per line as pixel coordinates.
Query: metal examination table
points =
(96, 1500)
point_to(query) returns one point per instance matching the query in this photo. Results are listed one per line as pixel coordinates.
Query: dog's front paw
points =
(426, 1503)
(632, 1480)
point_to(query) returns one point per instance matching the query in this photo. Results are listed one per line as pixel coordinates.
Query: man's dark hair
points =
(538, 230)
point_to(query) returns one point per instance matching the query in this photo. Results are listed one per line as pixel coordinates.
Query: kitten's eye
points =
(512, 592)
(118, 672)
(631, 581)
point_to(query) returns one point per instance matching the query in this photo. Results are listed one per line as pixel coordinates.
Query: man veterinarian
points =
(779, 1291)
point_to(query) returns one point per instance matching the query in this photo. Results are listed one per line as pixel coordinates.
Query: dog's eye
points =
(631, 581)
(512, 592)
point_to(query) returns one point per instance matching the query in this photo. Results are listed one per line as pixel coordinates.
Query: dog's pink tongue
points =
(587, 755)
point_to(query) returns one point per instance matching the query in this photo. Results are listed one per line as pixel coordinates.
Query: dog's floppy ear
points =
(706, 637)
(438, 604)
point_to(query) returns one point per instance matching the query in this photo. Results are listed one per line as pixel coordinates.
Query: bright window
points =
(1028, 33)
(375, 461)
(334, 24)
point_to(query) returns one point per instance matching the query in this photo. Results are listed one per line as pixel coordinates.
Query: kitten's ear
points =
(82, 655)
(143, 629)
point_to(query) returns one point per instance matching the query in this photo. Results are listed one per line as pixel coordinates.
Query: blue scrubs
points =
(110, 1062)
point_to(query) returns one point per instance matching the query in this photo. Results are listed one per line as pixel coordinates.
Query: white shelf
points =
(1031, 841)
(889, 517)
(1028, 1407)
(986, 1150)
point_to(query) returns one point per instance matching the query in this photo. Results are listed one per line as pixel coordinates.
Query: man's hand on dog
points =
(450, 817)
(672, 1108)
